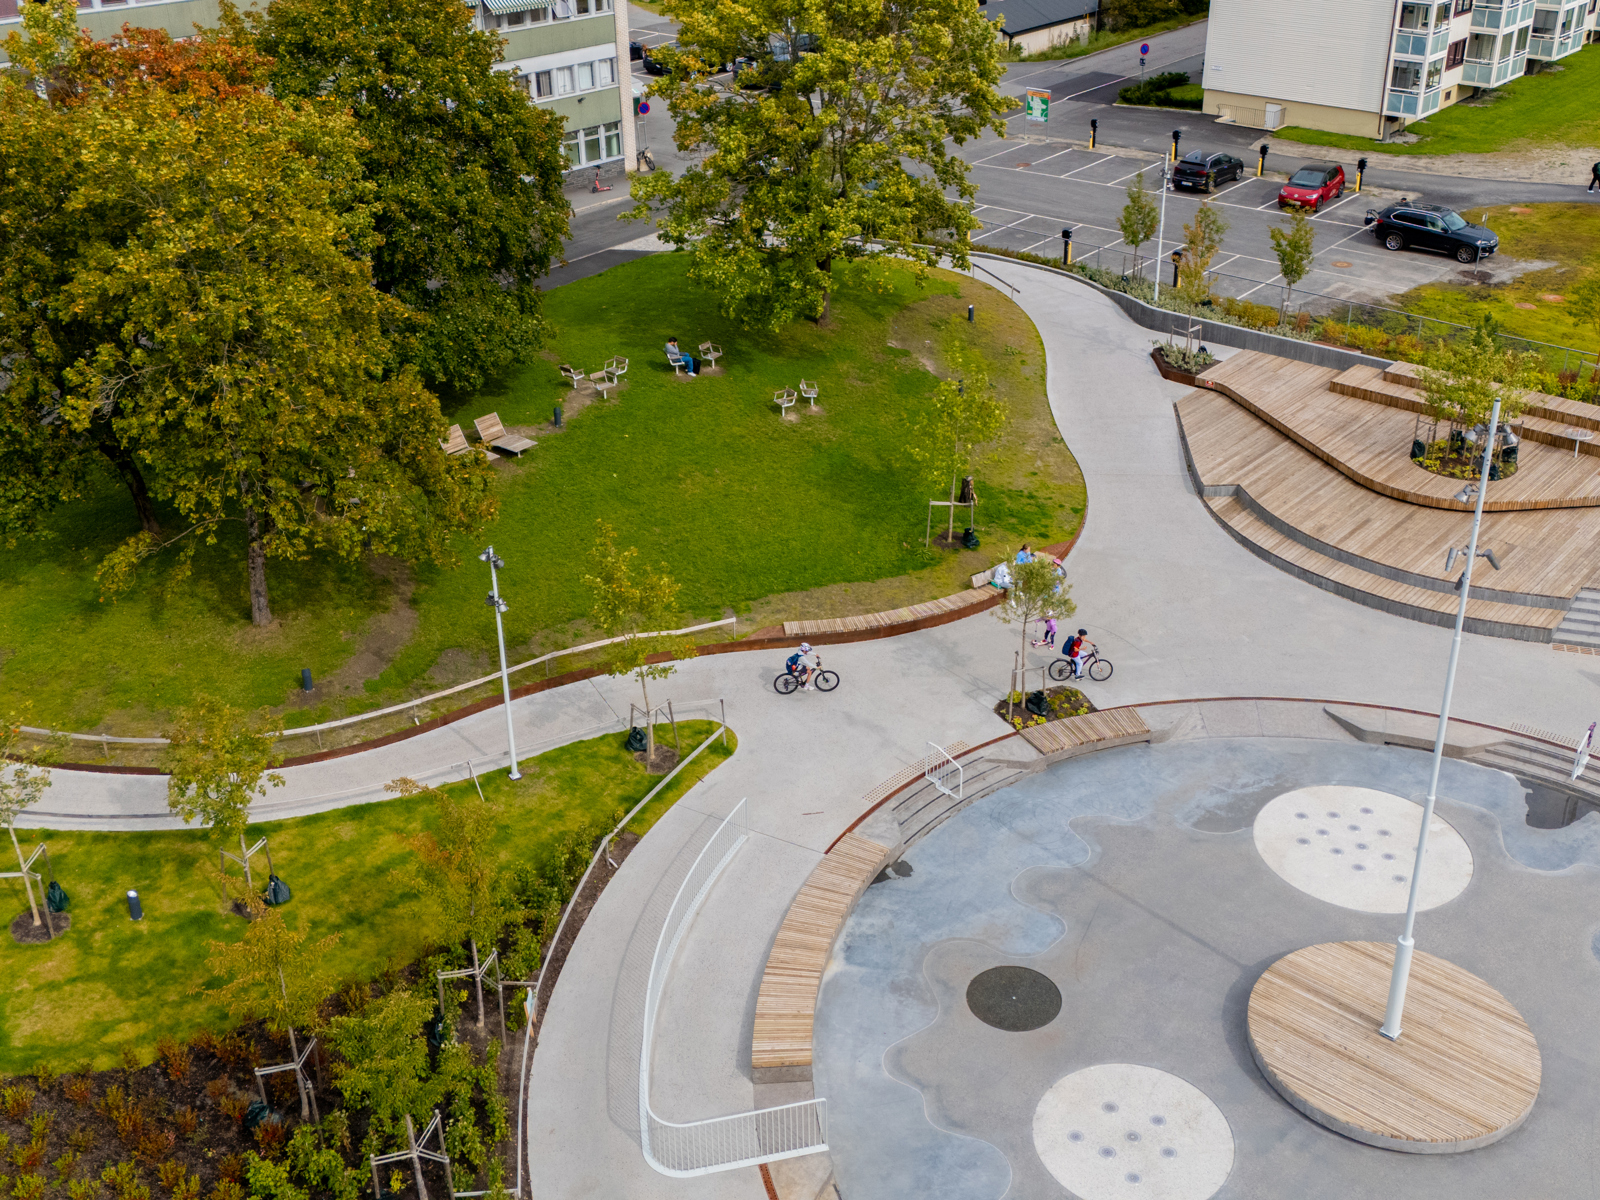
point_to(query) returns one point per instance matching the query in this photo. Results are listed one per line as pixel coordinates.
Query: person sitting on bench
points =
(674, 353)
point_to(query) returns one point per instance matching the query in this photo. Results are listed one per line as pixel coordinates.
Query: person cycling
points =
(1077, 648)
(802, 664)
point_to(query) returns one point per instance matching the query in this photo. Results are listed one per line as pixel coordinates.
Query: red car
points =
(1312, 186)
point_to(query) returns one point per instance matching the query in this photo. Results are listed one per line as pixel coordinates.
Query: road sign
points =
(1144, 49)
(644, 108)
(1037, 105)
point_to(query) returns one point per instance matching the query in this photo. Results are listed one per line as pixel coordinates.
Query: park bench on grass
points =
(492, 433)
(603, 382)
(678, 367)
(457, 443)
(784, 399)
(573, 375)
(808, 389)
(616, 368)
(710, 351)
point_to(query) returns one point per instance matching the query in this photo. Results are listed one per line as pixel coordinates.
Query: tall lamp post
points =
(1161, 228)
(1403, 944)
(495, 602)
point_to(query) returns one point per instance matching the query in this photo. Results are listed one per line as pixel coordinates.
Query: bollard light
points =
(1094, 127)
(1261, 162)
(1361, 169)
(135, 910)
(1066, 246)
(558, 416)
(1177, 258)
(970, 317)
(1177, 136)
(305, 679)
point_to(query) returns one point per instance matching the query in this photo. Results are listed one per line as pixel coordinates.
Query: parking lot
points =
(1029, 191)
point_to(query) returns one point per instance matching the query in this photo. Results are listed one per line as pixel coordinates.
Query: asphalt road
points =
(1041, 178)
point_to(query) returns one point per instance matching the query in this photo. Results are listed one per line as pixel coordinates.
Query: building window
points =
(1413, 16)
(585, 76)
(1407, 77)
(571, 148)
(1522, 39)
(591, 144)
(537, 15)
(1544, 22)
(614, 139)
(516, 18)
(1456, 54)
(606, 71)
(542, 85)
(1441, 15)
(1435, 69)
(563, 80)
(1463, 6)
(581, 8)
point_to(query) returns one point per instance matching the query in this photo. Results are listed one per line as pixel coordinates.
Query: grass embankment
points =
(1532, 305)
(814, 517)
(1552, 108)
(110, 983)
(1105, 40)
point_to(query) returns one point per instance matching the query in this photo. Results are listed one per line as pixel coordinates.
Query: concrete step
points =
(925, 807)
(1490, 617)
(1581, 626)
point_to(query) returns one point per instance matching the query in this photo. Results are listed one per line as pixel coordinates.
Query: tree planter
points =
(1172, 373)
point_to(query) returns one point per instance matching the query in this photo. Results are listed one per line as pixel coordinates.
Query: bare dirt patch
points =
(383, 637)
(1522, 164)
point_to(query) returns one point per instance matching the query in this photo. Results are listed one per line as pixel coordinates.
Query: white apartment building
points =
(570, 56)
(1370, 67)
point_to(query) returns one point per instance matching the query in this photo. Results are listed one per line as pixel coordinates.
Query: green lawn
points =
(769, 518)
(111, 983)
(1565, 234)
(1553, 108)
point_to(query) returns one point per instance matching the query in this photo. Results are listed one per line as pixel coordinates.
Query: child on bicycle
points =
(799, 666)
(1077, 648)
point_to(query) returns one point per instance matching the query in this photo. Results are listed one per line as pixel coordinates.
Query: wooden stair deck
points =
(780, 1043)
(1116, 726)
(893, 616)
(1370, 442)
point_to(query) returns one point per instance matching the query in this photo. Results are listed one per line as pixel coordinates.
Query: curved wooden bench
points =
(780, 1046)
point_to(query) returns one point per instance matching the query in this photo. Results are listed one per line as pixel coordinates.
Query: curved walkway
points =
(1178, 606)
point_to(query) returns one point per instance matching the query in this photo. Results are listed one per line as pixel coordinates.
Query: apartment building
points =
(1370, 67)
(570, 56)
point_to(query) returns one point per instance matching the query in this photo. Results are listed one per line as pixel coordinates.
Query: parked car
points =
(654, 65)
(1432, 227)
(1312, 186)
(635, 51)
(1206, 168)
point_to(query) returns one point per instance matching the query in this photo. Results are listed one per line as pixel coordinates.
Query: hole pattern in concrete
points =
(1118, 1131)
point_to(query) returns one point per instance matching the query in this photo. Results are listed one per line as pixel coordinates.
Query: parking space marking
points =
(1086, 166)
(1057, 154)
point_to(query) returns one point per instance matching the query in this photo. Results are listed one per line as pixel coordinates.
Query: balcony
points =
(1479, 72)
(1430, 100)
(1542, 47)
(1411, 45)
(1403, 101)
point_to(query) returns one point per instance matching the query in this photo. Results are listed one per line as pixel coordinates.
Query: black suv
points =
(1204, 168)
(1432, 227)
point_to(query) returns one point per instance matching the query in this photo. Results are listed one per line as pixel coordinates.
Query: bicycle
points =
(1095, 667)
(823, 681)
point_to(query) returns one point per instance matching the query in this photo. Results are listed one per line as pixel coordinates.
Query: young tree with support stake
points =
(634, 604)
(1202, 239)
(952, 428)
(1461, 380)
(272, 973)
(1037, 593)
(1293, 243)
(218, 765)
(23, 779)
(836, 142)
(1140, 215)
(458, 872)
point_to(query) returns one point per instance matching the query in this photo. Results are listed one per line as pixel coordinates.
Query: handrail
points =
(393, 708)
(531, 1002)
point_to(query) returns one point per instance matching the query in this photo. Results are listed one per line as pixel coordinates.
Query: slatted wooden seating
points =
(456, 443)
(492, 433)
(780, 1044)
(1101, 730)
(893, 616)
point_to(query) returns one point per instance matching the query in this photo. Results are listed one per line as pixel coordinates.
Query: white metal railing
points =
(531, 1000)
(744, 1139)
(941, 770)
(411, 705)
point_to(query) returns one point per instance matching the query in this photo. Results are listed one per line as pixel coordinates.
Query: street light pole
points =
(1161, 227)
(1403, 944)
(495, 602)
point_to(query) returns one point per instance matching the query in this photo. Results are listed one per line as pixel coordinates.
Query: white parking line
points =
(1003, 150)
(1129, 175)
(1057, 154)
(1321, 212)
(1086, 166)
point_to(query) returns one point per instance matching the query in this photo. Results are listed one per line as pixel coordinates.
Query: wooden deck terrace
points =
(1370, 442)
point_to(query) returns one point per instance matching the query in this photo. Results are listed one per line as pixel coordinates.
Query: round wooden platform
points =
(1464, 1073)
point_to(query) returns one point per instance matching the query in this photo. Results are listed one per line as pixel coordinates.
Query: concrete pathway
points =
(1180, 608)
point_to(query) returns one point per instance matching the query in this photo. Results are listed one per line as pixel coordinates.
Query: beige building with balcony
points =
(1371, 67)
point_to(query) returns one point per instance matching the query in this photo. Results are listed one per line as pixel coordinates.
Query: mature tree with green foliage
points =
(805, 155)
(274, 975)
(1294, 244)
(951, 430)
(467, 173)
(1583, 304)
(219, 763)
(1037, 592)
(1140, 217)
(1202, 239)
(23, 779)
(458, 871)
(634, 605)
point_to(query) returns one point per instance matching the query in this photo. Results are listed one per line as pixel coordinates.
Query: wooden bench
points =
(492, 433)
(1069, 736)
(457, 443)
(780, 1045)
